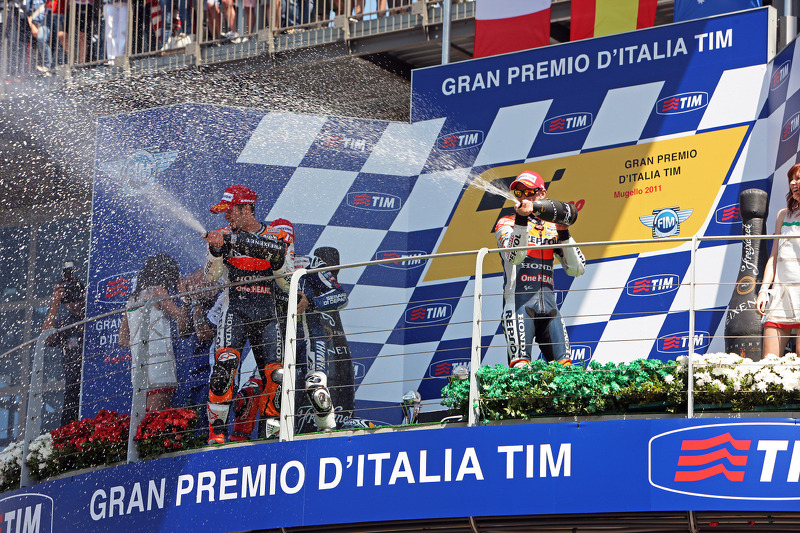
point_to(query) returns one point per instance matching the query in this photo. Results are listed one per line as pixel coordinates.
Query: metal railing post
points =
(289, 359)
(475, 357)
(4, 51)
(33, 416)
(692, 289)
(446, 15)
(139, 356)
(71, 36)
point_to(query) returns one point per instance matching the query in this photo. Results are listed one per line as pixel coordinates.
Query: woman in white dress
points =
(157, 279)
(779, 298)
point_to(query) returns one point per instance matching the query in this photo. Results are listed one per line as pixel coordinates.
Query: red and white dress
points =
(784, 307)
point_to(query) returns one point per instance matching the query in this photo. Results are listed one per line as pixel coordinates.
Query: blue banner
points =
(697, 9)
(591, 467)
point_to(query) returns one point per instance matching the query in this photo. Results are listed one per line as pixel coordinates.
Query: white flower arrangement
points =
(718, 373)
(10, 465)
(40, 452)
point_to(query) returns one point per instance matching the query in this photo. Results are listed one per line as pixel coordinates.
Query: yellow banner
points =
(647, 191)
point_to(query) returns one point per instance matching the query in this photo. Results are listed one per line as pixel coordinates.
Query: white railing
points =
(32, 405)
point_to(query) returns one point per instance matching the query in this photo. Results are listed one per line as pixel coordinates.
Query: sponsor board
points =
(641, 181)
(669, 465)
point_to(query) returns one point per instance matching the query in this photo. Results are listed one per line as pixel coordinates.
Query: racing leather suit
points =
(314, 343)
(529, 301)
(247, 313)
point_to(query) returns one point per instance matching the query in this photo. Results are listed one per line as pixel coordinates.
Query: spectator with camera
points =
(67, 307)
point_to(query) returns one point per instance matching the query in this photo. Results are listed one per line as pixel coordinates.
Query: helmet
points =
(528, 180)
(286, 227)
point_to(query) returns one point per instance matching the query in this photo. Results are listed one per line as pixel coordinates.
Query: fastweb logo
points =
(754, 461)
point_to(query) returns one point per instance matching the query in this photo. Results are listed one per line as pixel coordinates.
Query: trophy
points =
(411, 407)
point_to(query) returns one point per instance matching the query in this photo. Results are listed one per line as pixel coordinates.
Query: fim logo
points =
(780, 75)
(729, 461)
(652, 285)
(679, 342)
(340, 142)
(567, 123)
(728, 214)
(137, 173)
(444, 369)
(666, 222)
(115, 288)
(790, 127)
(401, 265)
(460, 140)
(426, 314)
(580, 353)
(682, 103)
(26, 513)
(374, 201)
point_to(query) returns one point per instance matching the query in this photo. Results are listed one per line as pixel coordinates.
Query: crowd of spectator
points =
(36, 36)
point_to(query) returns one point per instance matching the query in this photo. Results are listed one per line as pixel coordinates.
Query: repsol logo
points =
(728, 214)
(460, 140)
(790, 127)
(424, 314)
(758, 460)
(679, 342)
(682, 103)
(115, 288)
(401, 265)
(26, 513)
(374, 201)
(651, 285)
(780, 75)
(567, 123)
(443, 369)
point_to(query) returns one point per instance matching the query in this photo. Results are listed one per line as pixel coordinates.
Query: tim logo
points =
(460, 140)
(679, 342)
(730, 461)
(580, 353)
(401, 265)
(26, 513)
(682, 103)
(443, 369)
(652, 285)
(115, 288)
(728, 214)
(374, 201)
(339, 142)
(359, 370)
(790, 127)
(666, 222)
(567, 123)
(780, 75)
(426, 314)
